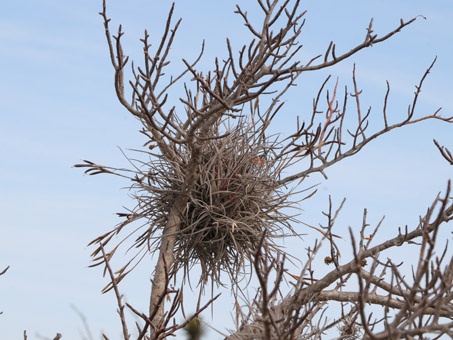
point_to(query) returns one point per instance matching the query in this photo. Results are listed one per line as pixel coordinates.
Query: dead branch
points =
(214, 189)
(118, 296)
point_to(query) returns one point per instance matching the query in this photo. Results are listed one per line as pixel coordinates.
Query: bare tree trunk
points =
(164, 263)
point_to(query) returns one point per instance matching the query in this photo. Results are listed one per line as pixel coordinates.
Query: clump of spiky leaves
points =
(234, 199)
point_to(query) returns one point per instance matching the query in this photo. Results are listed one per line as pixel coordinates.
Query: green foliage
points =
(194, 329)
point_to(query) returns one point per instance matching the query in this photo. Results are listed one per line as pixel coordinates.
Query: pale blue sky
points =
(57, 107)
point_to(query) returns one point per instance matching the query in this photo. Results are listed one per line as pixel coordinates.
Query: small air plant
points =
(234, 199)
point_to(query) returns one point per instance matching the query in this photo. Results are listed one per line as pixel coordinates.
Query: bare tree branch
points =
(216, 185)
